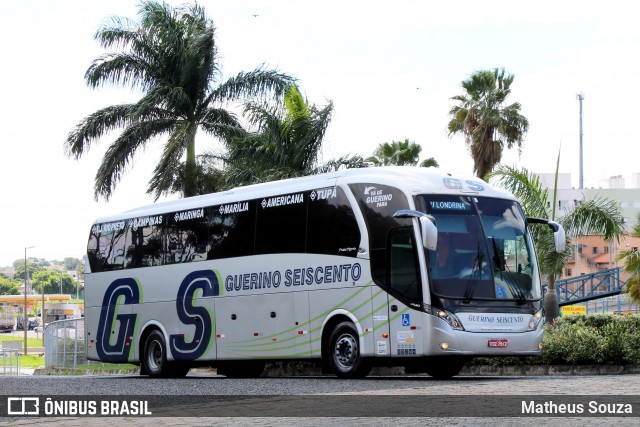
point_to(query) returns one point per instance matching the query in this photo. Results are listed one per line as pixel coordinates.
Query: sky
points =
(389, 67)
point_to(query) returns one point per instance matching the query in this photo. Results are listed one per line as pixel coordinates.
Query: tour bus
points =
(397, 266)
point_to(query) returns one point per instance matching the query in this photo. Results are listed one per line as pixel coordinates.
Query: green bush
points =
(584, 340)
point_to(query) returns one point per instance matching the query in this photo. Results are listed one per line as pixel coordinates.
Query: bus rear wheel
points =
(343, 352)
(154, 359)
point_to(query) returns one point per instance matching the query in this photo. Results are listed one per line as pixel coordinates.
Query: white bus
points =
(367, 267)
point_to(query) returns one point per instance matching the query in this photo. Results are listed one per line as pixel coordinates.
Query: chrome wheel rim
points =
(346, 351)
(154, 357)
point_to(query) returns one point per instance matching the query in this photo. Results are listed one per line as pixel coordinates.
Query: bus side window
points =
(404, 275)
(231, 234)
(281, 224)
(110, 251)
(186, 239)
(144, 246)
(332, 228)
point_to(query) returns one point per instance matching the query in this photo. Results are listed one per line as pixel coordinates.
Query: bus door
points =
(404, 283)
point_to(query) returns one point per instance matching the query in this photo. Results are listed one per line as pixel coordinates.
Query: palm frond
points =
(251, 84)
(96, 125)
(597, 216)
(122, 151)
(526, 187)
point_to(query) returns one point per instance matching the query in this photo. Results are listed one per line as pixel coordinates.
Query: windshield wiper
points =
(476, 274)
(514, 288)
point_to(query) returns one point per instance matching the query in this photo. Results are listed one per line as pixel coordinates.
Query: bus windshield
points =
(484, 251)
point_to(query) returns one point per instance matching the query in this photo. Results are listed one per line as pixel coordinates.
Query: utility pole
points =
(580, 98)
(25, 320)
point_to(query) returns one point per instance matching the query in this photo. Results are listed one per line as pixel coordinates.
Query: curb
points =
(483, 371)
(73, 372)
(550, 370)
(477, 371)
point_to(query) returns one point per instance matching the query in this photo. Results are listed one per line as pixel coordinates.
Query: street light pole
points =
(60, 271)
(24, 315)
(42, 314)
(580, 98)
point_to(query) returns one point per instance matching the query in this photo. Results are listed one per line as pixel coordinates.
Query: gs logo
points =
(114, 342)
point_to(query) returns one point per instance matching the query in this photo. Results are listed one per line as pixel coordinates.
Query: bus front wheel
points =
(343, 352)
(154, 359)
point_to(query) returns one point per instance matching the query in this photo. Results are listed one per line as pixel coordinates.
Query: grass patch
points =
(31, 361)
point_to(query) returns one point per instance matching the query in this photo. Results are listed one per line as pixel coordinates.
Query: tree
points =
(429, 163)
(32, 266)
(599, 216)
(399, 153)
(484, 119)
(285, 144)
(70, 263)
(9, 287)
(208, 175)
(169, 55)
(49, 281)
(631, 260)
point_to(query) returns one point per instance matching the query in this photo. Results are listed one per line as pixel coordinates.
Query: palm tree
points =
(599, 216)
(286, 143)
(399, 153)
(484, 119)
(632, 266)
(171, 56)
(429, 163)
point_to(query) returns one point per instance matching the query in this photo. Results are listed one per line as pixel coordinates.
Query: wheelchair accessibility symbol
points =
(406, 321)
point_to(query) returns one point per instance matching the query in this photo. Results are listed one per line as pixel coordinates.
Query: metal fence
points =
(64, 344)
(9, 361)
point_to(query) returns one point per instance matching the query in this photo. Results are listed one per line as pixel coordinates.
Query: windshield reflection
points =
(483, 250)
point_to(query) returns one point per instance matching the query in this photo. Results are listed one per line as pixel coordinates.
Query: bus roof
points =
(412, 180)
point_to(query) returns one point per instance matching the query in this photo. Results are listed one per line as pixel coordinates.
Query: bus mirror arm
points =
(428, 228)
(559, 237)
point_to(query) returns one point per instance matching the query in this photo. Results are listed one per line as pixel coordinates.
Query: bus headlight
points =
(534, 321)
(448, 317)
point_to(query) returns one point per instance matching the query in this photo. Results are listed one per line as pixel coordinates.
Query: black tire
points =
(444, 368)
(154, 359)
(178, 370)
(342, 354)
(241, 369)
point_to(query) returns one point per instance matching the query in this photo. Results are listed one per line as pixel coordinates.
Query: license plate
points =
(494, 343)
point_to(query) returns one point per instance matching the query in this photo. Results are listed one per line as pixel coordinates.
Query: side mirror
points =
(559, 238)
(428, 228)
(429, 233)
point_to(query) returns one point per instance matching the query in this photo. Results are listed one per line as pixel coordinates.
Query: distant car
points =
(32, 324)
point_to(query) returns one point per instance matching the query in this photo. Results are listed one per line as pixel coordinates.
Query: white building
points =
(613, 188)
